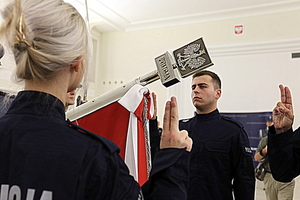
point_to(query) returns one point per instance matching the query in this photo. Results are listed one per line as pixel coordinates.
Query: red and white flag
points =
(125, 122)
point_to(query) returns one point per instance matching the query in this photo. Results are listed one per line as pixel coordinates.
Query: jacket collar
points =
(37, 103)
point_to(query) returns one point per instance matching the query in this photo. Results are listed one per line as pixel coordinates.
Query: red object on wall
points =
(239, 29)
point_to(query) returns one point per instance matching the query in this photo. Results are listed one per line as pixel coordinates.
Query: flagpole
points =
(109, 97)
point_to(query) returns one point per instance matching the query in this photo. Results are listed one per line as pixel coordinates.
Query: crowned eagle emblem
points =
(191, 57)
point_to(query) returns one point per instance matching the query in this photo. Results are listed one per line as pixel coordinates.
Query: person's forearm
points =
(258, 156)
(168, 180)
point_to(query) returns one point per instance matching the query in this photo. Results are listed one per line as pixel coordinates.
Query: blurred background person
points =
(264, 132)
(5, 101)
(70, 99)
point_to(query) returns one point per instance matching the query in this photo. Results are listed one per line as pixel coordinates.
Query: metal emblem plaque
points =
(168, 75)
(192, 57)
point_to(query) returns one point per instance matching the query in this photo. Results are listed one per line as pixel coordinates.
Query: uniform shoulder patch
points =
(185, 120)
(248, 150)
(107, 143)
(233, 120)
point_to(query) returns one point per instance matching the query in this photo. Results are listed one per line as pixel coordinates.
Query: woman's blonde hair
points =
(45, 36)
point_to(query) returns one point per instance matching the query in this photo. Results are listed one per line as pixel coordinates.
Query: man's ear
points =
(218, 93)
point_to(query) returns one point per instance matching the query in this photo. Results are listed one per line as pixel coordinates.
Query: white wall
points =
(251, 66)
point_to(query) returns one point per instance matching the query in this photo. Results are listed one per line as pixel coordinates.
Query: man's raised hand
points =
(283, 116)
(171, 136)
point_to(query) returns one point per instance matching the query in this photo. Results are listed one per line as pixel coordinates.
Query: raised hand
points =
(283, 116)
(154, 105)
(171, 136)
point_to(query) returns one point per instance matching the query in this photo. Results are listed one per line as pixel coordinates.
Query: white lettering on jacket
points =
(14, 193)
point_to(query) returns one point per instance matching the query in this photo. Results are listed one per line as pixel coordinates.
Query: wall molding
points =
(106, 19)
(272, 46)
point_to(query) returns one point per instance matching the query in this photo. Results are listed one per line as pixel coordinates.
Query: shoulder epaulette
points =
(233, 120)
(108, 143)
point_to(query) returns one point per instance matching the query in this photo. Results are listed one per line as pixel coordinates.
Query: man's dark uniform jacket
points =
(221, 162)
(284, 154)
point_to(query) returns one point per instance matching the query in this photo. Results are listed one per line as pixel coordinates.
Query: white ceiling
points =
(129, 15)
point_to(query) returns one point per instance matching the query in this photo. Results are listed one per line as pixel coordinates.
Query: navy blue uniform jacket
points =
(44, 157)
(221, 161)
(284, 154)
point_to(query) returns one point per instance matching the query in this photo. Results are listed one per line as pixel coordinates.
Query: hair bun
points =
(21, 46)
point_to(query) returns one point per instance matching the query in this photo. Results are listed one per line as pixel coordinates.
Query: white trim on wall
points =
(288, 45)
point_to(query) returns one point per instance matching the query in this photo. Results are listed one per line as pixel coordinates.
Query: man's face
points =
(269, 123)
(70, 98)
(204, 95)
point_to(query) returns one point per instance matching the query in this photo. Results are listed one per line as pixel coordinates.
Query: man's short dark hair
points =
(215, 78)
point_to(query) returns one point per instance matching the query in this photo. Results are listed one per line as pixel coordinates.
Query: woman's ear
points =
(76, 64)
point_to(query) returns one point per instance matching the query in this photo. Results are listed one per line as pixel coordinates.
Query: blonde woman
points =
(44, 157)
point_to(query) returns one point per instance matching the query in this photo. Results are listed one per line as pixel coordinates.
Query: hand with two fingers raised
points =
(171, 136)
(283, 116)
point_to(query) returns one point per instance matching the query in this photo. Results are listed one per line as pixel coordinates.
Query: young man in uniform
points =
(221, 165)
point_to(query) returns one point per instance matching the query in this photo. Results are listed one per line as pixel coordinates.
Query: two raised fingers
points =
(285, 95)
(171, 136)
